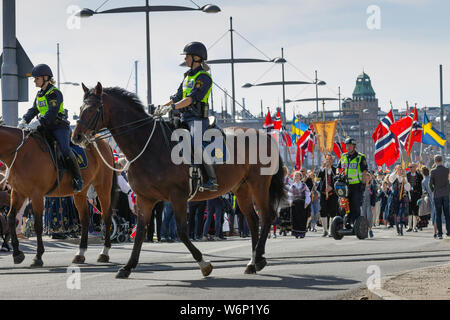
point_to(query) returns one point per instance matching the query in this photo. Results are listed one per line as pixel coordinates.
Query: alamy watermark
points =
(374, 281)
(249, 146)
(73, 282)
(374, 19)
(73, 22)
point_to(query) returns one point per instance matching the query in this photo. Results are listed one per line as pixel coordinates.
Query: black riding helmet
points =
(350, 141)
(196, 49)
(41, 70)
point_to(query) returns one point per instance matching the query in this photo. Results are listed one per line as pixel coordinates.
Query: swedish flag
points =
(298, 129)
(431, 135)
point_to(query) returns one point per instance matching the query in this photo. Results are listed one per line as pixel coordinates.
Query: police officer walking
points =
(48, 106)
(354, 165)
(191, 100)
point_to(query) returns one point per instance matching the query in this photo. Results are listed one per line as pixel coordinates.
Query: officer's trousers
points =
(355, 199)
(62, 135)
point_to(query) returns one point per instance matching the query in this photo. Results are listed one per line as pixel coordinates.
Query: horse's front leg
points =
(105, 202)
(17, 201)
(144, 212)
(179, 207)
(38, 209)
(83, 213)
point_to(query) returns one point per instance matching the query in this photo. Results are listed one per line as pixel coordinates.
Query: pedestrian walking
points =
(441, 189)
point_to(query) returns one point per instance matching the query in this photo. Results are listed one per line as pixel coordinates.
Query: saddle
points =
(47, 142)
(196, 171)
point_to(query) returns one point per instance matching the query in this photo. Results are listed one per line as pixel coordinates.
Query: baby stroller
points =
(120, 228)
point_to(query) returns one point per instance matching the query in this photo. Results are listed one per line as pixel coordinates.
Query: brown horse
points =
(33, 175)
(155, 177)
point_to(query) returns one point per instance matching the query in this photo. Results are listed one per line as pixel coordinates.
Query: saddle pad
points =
(81, 156)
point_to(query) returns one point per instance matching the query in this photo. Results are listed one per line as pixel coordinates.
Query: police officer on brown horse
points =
(191, 100)
(48, 106)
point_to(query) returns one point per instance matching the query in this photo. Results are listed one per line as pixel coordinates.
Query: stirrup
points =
(208, 186)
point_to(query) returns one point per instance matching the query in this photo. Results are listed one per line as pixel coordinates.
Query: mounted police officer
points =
(191, 100)
(354, 165)
(48, 106)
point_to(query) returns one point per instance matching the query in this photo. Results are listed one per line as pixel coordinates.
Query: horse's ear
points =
(98, 89)
(84, 88)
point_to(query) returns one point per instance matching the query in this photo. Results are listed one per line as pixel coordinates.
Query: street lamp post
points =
(209, 8)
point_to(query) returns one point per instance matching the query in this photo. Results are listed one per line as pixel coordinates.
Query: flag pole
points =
(420, 153)
(325, 156)
(408, 153)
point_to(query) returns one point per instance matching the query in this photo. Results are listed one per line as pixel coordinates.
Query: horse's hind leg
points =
(83, 213)
(266, 214)
(38, 209)
(144, 212)
(104, 197)
(17, 201)
(179, 208)
(244, 200)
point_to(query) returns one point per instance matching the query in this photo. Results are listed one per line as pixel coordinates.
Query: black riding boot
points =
(75, 169)
(211, 184)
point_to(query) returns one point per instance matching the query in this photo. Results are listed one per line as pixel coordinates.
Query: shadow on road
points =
(265, 281)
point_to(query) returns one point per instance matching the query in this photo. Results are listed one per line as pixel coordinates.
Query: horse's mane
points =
(129, 97)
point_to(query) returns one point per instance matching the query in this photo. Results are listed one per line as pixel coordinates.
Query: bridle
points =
(93, 124)
(106, 133)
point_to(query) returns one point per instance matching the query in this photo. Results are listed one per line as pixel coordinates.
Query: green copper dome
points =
(363, 88)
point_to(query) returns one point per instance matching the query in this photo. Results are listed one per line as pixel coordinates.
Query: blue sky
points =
(402, 57)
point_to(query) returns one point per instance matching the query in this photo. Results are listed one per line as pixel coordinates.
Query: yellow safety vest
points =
(42, 103)
(352, 168)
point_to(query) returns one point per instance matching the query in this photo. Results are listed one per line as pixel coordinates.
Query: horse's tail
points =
(276, 189)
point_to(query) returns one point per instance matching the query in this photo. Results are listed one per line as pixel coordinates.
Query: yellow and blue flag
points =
(431, 135)
(298, 129)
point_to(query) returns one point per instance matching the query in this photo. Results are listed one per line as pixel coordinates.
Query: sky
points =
(398, 43)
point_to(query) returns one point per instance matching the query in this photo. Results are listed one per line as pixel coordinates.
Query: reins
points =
(126, 167)
(107, 133)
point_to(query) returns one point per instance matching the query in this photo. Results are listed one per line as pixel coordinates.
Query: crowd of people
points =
(407, 201)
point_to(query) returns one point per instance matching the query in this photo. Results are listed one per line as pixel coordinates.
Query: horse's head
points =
(91, 119)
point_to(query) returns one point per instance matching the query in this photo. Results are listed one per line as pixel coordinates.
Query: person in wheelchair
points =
(191, 100)
(48, 106)
(354, 166)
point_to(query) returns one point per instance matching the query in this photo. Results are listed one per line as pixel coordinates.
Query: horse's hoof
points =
(103, 258)
(19, 257)
(78, 259)
(206, 271)
(261, 264)
(250, 269)
(37, 263)
(123, 273)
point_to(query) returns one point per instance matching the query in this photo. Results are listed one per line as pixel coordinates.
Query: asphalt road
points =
(309, 268)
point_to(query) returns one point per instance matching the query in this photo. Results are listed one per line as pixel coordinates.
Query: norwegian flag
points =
(337, 149)
(268, 123)
(387, 150)
(133, 232)
(402, 128)
(277, 123)
(133, 197)
(304, 144)
(116, 155)
(287, 141)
